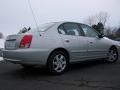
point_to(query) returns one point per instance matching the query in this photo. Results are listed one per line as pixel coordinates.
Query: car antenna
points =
(34, 17)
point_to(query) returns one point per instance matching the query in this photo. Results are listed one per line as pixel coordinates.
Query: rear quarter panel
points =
(47, 41)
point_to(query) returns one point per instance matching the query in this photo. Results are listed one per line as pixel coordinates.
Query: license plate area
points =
(10, 45)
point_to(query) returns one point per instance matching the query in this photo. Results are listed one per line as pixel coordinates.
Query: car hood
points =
(114, 42)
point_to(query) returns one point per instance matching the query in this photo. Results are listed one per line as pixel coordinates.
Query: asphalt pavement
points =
(94, 75)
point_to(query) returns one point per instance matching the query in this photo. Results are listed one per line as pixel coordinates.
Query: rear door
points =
(73, 40)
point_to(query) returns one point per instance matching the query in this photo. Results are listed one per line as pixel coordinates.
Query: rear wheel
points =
(113, 55)
(57, 62)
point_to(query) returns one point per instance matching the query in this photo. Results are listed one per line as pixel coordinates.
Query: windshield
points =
(43, 27)
(117, 39)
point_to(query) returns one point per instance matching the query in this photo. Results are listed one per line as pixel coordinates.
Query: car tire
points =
(112, 55)
(57, 62)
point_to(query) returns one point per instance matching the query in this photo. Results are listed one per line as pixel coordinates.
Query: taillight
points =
(26, 41)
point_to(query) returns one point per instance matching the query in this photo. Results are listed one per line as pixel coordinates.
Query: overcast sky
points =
(15, 14)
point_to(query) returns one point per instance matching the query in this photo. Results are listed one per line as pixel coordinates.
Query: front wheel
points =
(57, 62)
(113, 55)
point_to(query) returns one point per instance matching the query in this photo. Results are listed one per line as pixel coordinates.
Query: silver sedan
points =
(1, 46)
(56, 45)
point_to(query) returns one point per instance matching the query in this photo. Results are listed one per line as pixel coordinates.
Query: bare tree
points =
(101, 17)
(119, 25)
(118, 31)
(108, 31)
(91, 20)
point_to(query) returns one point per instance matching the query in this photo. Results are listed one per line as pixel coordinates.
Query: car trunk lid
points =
(13, 41)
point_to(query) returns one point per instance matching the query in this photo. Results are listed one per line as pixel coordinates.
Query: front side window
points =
(88, 31)
(70, 29)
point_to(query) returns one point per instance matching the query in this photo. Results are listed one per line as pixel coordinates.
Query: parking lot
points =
(94, 75)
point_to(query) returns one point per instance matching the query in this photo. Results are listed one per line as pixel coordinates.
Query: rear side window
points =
(61, 30)
(69, 29)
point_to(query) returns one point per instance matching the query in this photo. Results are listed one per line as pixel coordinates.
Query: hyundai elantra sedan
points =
(56, 45)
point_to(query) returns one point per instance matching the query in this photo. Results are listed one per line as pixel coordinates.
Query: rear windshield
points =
(43, 27)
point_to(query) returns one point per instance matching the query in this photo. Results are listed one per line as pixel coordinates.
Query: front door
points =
(96, 46)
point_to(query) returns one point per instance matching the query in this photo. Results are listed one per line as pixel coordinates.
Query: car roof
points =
(62, 22)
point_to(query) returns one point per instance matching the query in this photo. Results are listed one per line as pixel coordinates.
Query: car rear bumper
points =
(26, 56)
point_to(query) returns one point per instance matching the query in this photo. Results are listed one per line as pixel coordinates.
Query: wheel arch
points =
(59, 49)
(113, 46)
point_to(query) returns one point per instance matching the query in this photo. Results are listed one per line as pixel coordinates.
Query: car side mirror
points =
(101, 35)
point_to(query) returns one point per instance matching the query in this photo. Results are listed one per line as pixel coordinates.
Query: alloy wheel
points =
(59, 63)
(113, 55)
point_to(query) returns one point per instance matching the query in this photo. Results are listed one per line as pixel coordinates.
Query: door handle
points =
(66, 40)
(91, 42)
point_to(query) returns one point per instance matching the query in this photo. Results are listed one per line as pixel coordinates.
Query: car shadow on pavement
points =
(42, 72)
(86, 64)
(29, 73)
